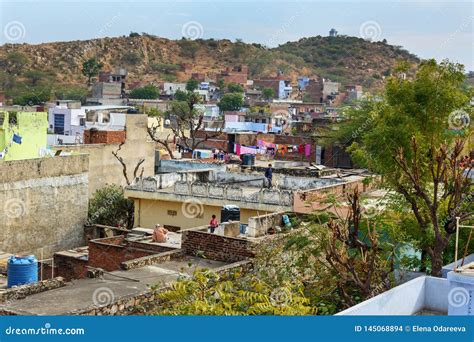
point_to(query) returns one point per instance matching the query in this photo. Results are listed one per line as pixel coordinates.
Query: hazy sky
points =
(440, 29)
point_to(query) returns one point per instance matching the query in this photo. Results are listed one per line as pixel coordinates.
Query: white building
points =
(68, 120)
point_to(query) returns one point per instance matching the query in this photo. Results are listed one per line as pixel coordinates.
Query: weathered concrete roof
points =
(80, 294)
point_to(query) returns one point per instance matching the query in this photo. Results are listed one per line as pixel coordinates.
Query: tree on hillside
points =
(268, 93)
(189, 48)
(149, 92)
(192, 84)
(187, 121)
(91, 68)
(415, 137)
(231, 102)
(235, 88)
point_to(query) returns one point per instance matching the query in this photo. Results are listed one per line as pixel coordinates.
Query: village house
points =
(238, 74)
(69, 119)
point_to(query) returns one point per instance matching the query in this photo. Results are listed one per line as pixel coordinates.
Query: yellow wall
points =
(150, 212)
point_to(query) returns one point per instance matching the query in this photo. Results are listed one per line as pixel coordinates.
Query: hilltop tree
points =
(189, 48)
(91, 68)
(231, 102)
(415, 137)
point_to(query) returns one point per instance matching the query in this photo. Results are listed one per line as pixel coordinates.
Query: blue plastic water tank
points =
(22, 270)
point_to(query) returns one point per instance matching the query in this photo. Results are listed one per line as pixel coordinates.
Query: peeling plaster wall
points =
(43, 204)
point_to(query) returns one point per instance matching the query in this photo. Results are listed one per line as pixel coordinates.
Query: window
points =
(82, 121)
(59, 123)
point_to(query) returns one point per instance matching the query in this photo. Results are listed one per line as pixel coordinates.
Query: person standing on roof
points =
(269, 175)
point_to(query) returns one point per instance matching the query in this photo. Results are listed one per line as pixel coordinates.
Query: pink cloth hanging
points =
(307, 150)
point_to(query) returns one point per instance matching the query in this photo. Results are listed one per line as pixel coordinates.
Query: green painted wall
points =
(31, 126)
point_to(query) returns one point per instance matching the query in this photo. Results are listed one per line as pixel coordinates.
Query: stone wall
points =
(20, 292)
(147, 301)
(216, 247)
(44, 204)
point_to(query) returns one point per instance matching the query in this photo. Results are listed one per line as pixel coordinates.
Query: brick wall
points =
(69, 267)
(216, 247)
(110, 253)
(104, 137)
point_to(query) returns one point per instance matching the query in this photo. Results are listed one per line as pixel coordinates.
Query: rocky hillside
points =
(154, 59)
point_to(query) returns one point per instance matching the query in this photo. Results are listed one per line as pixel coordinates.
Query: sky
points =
(429, 29)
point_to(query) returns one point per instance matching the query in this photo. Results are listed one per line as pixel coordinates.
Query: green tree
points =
(14, 63)
(35, 76)
(235, 88)
(268, 93)
(231, 102)
(414, 136)
(109, 207)
(71, 93)
(31, 96)
(192, 84)
(189, 48)
(91, 68)
(207, 294)
(146, 92)
(131, 58)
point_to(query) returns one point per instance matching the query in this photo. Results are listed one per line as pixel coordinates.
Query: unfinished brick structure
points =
(216, 247)
(93, 136)
(109, 253)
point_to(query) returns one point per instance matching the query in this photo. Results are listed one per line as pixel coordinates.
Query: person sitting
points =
(159, 234)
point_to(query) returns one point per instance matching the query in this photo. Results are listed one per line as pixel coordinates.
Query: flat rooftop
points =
(80, 293)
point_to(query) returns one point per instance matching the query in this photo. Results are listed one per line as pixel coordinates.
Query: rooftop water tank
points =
(22, 270)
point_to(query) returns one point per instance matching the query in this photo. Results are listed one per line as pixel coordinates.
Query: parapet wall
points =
(234, 192)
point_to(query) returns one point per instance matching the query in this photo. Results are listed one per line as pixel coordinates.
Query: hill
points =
(153, 59)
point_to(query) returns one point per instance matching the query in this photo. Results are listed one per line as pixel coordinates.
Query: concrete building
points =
(170, 88)
(425, 295)
(23, 135)
(104, 168)
(237, 74)
(44, 204)
(185, 199)
(69, 120)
